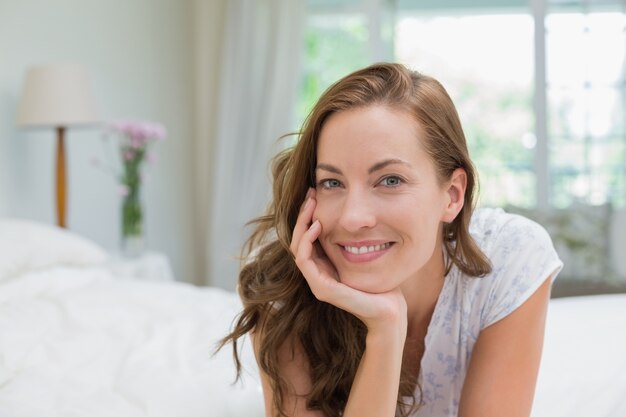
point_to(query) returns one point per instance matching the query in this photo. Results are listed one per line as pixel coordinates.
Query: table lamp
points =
(57, 96)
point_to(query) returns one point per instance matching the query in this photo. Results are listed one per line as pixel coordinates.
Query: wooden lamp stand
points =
(58, 96)
(61, 188)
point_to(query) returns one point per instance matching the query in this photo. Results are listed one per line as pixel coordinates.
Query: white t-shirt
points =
(522, 256)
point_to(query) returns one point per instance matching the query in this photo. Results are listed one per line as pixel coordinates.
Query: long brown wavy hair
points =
(332, 339)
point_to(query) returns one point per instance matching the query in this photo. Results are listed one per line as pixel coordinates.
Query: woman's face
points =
(378, 198)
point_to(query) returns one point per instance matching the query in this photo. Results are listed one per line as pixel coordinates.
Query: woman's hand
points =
(377, 311)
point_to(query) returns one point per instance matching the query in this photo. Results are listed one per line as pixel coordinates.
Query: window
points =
(336, 44)
(586, 101)
(544, 118)
(490, 80)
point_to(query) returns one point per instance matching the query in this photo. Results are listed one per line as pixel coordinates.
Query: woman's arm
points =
(373, 393)
(505, 361)
(294, 369)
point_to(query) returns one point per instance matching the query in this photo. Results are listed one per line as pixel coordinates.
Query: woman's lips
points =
(364, 251)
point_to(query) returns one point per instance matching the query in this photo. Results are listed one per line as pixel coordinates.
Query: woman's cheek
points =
(324, 209)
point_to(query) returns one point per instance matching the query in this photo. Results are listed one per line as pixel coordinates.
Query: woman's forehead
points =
(373, 132)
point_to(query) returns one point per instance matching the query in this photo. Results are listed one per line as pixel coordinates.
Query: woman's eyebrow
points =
(377, 166)
(386, 162)
(329, 168)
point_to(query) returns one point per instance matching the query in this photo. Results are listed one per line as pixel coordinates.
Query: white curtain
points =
(258, 80)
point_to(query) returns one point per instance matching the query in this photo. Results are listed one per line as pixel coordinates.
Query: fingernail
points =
(309, 193)
(315, 224)
(307, 202)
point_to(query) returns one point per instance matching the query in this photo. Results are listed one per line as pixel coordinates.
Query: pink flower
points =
(123, 190)
(138, 131)
(136, 142)
(135, 138)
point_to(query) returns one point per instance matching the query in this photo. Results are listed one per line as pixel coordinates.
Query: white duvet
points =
(79, 342)
(583, 368)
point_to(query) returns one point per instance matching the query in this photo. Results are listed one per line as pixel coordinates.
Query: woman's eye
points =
(331, 183)
(391, 181)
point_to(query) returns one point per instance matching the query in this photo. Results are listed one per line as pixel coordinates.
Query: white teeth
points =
(366, 249)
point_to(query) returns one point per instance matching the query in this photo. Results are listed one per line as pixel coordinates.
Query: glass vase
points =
(132, 225)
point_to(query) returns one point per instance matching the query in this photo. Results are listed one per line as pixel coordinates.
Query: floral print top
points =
(523, 257)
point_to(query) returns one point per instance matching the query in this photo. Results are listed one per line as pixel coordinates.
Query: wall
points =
(139, 54)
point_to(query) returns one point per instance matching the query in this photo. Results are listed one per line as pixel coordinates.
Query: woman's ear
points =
(455, 191)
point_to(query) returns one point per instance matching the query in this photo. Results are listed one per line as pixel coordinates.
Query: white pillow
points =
(27, 245)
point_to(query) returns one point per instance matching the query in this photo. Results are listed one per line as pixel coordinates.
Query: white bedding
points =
(80, 342)
(583, 368)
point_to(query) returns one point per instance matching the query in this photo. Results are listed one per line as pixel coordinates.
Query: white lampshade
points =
(57, 95)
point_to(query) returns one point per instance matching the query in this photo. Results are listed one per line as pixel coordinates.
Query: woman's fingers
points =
(314, 268)
(322, 276)
(304, 220)
(318, 270)
(304, 249)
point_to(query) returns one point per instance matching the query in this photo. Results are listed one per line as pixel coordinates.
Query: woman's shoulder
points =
(522, 257)
(495, 231)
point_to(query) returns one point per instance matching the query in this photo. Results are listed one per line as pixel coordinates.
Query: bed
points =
(78, 340)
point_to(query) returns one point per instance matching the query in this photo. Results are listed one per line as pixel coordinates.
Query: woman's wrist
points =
(389, 323)
(387, 333)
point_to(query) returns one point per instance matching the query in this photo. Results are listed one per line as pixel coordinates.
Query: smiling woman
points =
(376, 172)
(375, 289)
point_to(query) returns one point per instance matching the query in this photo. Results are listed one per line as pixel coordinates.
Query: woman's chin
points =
(365, 282)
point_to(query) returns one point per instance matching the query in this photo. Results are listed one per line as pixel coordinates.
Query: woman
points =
(376, 290)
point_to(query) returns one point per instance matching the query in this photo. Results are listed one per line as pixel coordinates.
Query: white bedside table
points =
(150, 266)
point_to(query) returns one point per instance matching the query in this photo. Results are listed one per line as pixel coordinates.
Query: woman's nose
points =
(357, 212)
